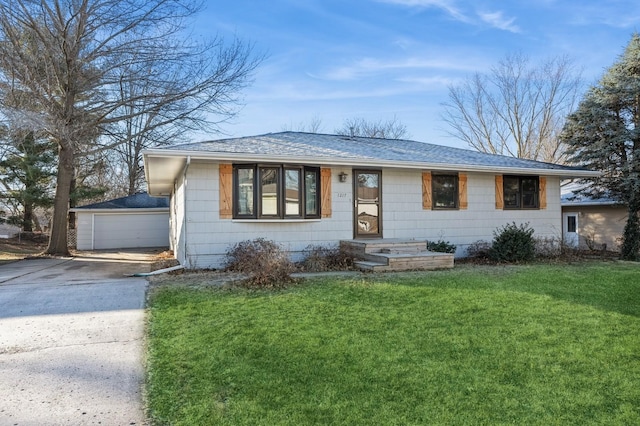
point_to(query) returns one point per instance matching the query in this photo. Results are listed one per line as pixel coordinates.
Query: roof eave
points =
(592, 204)
(356, 162)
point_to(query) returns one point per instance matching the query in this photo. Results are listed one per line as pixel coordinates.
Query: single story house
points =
(594, 224)
(135, 221)
(301, 189)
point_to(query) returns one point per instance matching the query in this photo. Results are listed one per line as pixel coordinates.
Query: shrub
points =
(479, 250)
(441, 246)
(513, 243)
(321, 258)
(267, 265)
(549, 247)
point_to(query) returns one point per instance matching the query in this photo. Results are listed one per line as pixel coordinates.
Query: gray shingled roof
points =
(335, 147)
(136, 201)
(572, 199)
(570, 195)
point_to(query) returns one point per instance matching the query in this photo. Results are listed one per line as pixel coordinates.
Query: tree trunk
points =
(72, 203)
(58, 245)
(631, 237)
(132, 183)
(27, 217)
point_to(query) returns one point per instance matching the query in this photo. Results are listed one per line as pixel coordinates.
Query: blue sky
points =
(376, 59)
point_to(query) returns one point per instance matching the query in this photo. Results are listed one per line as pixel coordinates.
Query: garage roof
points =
(140, 202)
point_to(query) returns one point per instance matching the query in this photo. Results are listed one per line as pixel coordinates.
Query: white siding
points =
(208, 238)
(84, 231)
(403, 216)
(177, 208)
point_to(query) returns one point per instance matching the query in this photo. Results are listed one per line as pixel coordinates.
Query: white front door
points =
(570, 229)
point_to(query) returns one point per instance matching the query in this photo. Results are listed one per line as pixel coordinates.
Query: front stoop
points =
(382, 255)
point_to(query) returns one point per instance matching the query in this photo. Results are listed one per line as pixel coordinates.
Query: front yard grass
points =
(475, 345)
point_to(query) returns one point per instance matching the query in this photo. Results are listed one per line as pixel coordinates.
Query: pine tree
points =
(604, 134)
(27, 174)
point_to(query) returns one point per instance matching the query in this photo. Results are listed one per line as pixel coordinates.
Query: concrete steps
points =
(382, 255)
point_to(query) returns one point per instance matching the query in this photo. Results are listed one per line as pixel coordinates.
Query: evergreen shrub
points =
(513, 243)
(441, 246)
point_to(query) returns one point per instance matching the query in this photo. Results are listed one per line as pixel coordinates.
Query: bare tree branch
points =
(96, 74)
(516, 109)
(390, 129)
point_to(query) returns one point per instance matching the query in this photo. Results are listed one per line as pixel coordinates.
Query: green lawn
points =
(475, 345)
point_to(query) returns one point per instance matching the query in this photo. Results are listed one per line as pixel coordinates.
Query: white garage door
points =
(130, 230)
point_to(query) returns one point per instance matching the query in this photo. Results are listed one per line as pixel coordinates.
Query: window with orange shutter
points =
(276, 192)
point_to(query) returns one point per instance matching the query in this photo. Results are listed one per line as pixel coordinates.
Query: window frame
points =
(456, 190)
(280, 191)
(236, 191)
(521, 193)
(261, 195)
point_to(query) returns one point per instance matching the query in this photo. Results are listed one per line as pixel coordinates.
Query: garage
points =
(137, 221)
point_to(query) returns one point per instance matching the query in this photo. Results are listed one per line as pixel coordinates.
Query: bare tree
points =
(312, 126)
(143, 128)
(67, 67)
(390, 129)
(517, 109)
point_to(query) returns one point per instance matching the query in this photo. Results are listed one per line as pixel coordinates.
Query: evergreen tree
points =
(604, 134)
(26, 174)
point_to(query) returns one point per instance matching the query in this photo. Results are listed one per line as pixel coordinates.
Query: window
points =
(269, 188)
(445, 191)
(521, 192)
(275, 192)
(244, 190)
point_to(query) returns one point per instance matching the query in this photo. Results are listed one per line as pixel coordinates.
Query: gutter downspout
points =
(184, 218)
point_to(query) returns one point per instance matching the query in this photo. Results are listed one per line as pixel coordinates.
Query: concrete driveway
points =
(71, 344)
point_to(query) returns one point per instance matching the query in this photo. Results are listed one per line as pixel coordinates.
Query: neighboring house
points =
(302, 189)
(595, 224)
(8, 231)
(129, 222)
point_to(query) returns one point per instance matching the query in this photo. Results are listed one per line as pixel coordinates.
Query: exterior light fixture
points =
(343, 176)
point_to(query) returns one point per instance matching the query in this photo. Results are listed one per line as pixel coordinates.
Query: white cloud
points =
(304, 93)
(428, 83)
(447, 5)
(497, 20)
(372, 66)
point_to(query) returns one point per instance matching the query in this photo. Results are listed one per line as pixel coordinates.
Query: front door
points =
(570, 229)
(368, 203)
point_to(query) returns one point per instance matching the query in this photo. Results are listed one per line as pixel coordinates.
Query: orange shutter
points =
(226, 191)
(499, 193)
(426, 191)
(325, 185)
(462, 191)
(543, 192)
